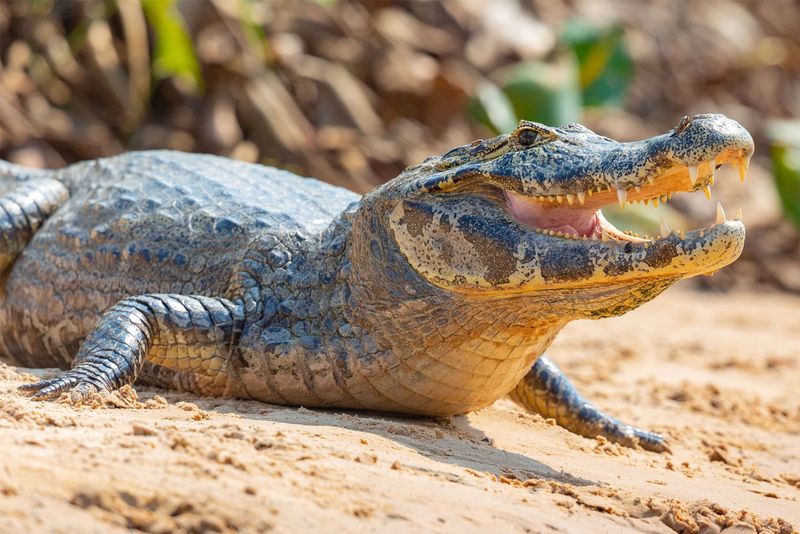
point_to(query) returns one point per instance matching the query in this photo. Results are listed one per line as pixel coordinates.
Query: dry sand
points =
(718, 373)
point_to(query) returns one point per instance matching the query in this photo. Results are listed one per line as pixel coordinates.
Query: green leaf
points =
(785, 138)
(174, 54)
(492, 108)
(545, 92)
(606, 67)
(252, 30)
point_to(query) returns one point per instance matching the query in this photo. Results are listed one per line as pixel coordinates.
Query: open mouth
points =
(578, 215)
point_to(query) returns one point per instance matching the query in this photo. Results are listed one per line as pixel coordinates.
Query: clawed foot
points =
(650, 441)
(80, 382)
(594, 423)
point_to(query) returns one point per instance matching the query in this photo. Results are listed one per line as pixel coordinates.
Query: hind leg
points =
(23, 210)
(546, 391)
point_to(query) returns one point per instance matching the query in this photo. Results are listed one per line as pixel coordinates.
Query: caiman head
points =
(520, 215)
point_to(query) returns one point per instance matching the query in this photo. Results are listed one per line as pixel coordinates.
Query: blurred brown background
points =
(351, 92)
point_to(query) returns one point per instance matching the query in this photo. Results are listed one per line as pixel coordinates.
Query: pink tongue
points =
(571, 220)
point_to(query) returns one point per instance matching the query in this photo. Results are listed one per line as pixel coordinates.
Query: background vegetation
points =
(353, 91)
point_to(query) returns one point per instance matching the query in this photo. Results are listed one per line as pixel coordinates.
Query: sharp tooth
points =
(712, 168)
(651, 180)
(638, 188)
(742, 164)
(707, 191)
(738, 215)
(646, 201)
(604, 236)
(663, 228)
(581, 197)
(702, 233)
(664, 199)
(682, 234)
(655, 202)
(560, 199)
(570, 198)
(720, 214)
(622, 194)
(693, 173)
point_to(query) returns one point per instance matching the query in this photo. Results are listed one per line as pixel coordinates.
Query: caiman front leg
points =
(190, 337)
(547, 391)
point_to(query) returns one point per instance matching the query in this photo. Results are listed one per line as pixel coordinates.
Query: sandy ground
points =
(718, 373)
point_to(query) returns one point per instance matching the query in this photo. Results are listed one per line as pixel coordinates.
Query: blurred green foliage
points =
(544, 92)
(492, 107)
(254, 33)
(606, 67)
(785, 138)
(174, 54)
(592, 68)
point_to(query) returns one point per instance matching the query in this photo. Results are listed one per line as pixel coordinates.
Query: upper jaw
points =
(593, 173)
(657, 185)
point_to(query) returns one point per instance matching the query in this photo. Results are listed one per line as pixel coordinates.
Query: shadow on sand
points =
(452, 441)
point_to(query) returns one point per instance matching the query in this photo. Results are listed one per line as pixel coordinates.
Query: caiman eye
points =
(528, 137)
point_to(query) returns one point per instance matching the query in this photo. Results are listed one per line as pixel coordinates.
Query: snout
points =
(700, 137)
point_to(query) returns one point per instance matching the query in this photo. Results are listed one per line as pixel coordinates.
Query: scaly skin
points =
(546, 391)
(431, 295)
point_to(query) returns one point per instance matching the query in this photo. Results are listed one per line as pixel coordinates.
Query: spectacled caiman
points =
(436, 293)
